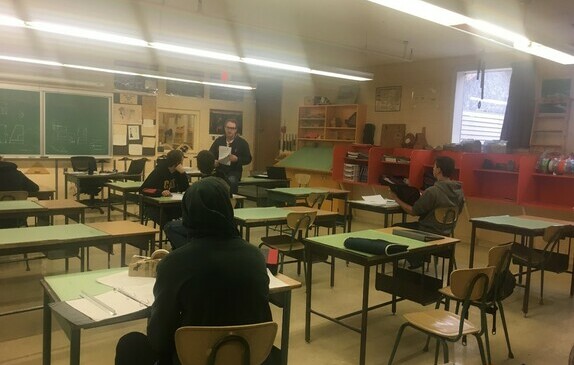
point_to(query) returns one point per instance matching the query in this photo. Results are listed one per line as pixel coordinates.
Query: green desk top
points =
(125, 184)
(338, 240)
(251, 180)
(247, 214)
(310, 158)
(48, 233)
(68, 286)
(12, 205)
(298, 191)
(507, 220)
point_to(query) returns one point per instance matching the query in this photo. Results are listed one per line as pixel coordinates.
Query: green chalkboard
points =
(19, 122)
(77, 124)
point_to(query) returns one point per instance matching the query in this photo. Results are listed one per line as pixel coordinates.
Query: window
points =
(475, 118)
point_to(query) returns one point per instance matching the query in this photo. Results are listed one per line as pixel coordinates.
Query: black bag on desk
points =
(373, 246)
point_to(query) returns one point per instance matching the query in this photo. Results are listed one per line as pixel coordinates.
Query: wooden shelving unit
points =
(330, 124)
(550, 125)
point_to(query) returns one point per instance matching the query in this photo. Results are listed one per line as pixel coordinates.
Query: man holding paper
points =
(233, 152)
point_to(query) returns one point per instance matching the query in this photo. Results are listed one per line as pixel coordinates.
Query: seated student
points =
(13, 179)
(174, 230)
(217, 279)
(167, 177)
(444, 193)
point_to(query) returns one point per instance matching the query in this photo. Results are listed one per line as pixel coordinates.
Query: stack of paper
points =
(378, 200)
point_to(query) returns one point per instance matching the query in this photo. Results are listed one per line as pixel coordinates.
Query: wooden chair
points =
(302, 180)
(499, 257)
(448, 217)
(225, 345)
(315, 201)
(14, 222)
(292, 245)
(470, 284)
(547, 259)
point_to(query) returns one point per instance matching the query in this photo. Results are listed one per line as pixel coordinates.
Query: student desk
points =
(333, 245)
(25, 208)
(164, 202)
(15, 241)
(266, 216)
(78, 178)
(386, 210)
(290, 196)
(66, 207)
(127, 188)
(59, 288)
(255, 188)
(525, 226)
(132, 233)
(192, 173)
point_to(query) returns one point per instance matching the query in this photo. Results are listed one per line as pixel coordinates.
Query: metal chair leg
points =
(398, 339)
(510, 354)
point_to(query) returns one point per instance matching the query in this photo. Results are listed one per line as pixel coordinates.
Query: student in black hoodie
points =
(167, 177)
(217, 279)
(174, 230)
(12, 179)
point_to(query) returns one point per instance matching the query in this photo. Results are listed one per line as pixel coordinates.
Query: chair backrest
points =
(448, 217)
(302, 180)
(137, 166)
(315, 200)
(225, 345)
(299, 222)
(13, 195)
(503, 281)
(83, 163)
(471, 284)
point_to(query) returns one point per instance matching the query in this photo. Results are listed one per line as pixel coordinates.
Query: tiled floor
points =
(544, 337)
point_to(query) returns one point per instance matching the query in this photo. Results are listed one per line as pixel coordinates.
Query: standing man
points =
(240, 154)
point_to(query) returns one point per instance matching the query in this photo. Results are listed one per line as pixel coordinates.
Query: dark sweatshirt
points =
(442, 194)
(239, 148)
(216, 279)
(11, 179)
(161, 179)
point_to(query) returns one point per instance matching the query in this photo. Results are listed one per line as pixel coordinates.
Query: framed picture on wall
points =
(388, 99)
(217, 119)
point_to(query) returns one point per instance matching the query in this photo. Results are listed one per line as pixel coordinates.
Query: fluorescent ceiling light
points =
(424, 10)
(476, 27)
(118, 39)
(11, 22)
(340, 76)
(86, 34)
(119, 72)
(194, 52)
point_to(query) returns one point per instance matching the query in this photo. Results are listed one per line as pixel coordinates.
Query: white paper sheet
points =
(133, 132)
(378, 200)
(135, 287)
(224, 155)
(135, 149)
(148, 142)
(148, 123)
(148, 131)
(274, 282)
(119, 132)
(176, 196)
(121, 304)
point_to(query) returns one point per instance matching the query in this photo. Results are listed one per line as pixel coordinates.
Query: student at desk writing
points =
(167, 177)
(217, 279)
(174, 230)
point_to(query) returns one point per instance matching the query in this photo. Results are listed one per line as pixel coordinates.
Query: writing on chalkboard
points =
(11, 135)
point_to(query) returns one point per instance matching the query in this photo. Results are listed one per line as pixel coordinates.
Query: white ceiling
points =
(323, 34)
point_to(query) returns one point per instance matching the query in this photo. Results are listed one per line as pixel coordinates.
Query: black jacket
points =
(161, 179)
(11, 179)
(216, 279)
(239, 148)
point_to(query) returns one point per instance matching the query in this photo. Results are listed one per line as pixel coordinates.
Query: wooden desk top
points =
(61, 204)
(122, 228)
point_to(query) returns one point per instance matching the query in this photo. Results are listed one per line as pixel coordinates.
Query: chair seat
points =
(440, 322)
(282, 243)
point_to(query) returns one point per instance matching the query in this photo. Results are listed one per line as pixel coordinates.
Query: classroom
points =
(349, 109)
